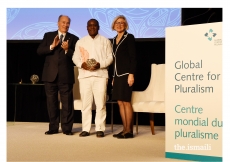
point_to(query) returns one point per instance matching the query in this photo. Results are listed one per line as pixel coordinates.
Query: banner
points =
(193, 92)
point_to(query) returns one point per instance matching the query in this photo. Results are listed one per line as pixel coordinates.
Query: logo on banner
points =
(211, 37)
(210, 34)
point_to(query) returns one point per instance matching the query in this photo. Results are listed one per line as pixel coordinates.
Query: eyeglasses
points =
(120, 23)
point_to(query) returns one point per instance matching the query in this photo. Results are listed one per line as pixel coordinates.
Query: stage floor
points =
(26, 141)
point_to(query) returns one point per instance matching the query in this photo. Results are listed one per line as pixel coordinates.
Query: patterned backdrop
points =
(32, 23)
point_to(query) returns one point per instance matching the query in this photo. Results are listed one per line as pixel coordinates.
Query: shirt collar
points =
(59, 33)
(94, 37)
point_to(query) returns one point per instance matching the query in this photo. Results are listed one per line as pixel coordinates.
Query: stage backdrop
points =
(32, 23)
(194, 92)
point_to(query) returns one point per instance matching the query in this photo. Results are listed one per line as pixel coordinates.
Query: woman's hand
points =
(112, 81)
(130, 79)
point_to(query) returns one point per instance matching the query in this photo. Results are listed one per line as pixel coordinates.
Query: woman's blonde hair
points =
(120, 17)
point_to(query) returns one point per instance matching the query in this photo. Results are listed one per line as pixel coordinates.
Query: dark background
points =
(23, 61)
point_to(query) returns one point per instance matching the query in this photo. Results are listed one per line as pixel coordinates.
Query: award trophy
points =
(85, 58)
(91, 62)
(34, 78)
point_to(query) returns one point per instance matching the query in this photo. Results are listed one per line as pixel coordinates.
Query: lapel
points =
(122, 38)
(120, 42)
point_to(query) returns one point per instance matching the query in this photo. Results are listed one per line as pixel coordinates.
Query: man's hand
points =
(95, 67)
(65, 45)
(55, 42)
(84, 66)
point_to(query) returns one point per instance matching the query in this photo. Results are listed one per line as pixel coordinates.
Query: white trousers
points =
(93, 88)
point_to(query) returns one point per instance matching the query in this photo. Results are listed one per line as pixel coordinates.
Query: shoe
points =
(124, 136)
(68, 133)
(50, 132)
(100, 134)
(84, 134)
(115, 135)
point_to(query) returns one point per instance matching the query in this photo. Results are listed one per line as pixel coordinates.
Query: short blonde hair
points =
(120, 17)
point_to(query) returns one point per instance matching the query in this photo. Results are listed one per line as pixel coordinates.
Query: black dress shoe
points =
(68, 133)
(100, 134)
(84, 134)
(115, 135)
(50, 132)
(125, 136)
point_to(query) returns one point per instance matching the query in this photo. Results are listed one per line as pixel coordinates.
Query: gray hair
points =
(65, 16)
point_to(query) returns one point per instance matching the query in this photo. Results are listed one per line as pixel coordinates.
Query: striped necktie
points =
(61, 37)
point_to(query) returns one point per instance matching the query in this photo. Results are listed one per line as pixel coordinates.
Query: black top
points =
(124, 54)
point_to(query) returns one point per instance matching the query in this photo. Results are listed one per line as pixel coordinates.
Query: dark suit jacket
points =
(124, 55)
(56, 61)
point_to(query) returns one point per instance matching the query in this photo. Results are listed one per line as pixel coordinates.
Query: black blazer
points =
(56, 61)
(124, 55)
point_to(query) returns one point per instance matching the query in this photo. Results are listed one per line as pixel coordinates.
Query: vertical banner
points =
(193, 92)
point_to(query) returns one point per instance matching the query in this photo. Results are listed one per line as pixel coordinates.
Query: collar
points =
(123, 36)
(94, 37)
(59, 33)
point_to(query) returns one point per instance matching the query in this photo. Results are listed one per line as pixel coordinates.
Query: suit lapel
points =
(122, 38)
(120, 42)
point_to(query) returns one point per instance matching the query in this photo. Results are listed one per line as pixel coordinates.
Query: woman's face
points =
(120, 25)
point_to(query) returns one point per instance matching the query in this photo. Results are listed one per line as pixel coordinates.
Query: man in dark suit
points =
(58, 75)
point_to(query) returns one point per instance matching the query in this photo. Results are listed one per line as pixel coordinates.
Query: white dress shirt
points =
(99, 48)
(59, 34)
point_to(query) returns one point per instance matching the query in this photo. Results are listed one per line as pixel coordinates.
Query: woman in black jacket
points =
(124, 54)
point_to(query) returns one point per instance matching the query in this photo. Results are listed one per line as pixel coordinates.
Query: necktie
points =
(61, 37)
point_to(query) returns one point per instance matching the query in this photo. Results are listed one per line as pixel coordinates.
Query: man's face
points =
(63, 24)
(92, 27)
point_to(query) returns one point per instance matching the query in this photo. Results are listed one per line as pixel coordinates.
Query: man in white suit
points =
(93, 79)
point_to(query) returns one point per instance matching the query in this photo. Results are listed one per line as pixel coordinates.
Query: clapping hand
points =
(55, 42)
(65, 45)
